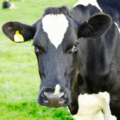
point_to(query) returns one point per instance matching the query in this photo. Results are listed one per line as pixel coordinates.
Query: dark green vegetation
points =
(19, 78)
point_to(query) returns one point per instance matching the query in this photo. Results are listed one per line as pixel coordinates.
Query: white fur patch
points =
(87, 2)
(90, 107)
(99, 116)
(12, 6)
(57, 89)
(55, 26)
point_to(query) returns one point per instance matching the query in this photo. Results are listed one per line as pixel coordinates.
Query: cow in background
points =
(7, 4)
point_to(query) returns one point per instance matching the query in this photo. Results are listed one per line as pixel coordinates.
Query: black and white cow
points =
(7, 4)
(77, 51)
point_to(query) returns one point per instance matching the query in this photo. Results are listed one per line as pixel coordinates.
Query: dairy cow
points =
(7, 4)
(77, 52)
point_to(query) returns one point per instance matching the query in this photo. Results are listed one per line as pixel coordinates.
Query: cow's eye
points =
(74, 48)
(38, 50)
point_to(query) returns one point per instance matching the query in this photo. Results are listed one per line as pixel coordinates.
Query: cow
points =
(77, 51)
(7, 4)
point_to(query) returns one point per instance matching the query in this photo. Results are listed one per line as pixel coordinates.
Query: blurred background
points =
(19, 78)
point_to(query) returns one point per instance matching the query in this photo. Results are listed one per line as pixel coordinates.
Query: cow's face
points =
(55, 47)
(56, 41)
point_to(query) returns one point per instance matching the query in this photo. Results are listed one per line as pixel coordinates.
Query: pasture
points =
(19, 78)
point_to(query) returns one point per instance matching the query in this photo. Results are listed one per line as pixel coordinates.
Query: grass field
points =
(19, 78)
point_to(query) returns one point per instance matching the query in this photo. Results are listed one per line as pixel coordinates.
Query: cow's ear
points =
(18, 32)
(95, 26)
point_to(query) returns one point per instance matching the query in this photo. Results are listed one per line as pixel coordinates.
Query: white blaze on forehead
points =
(87, 2)
(55, 26)
(57, 89)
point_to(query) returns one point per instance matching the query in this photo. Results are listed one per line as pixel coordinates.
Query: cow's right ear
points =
(18, 32)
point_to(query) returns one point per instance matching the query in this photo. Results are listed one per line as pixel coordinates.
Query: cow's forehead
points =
(55, 26)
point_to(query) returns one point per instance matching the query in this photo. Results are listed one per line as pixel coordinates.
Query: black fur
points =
(95, 26)
(6, 5)
(111, 7)
(57, 10)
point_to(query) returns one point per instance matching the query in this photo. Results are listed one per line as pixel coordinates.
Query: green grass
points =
(19, 78)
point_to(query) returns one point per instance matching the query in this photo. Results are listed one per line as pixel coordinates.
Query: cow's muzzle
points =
(48, 98)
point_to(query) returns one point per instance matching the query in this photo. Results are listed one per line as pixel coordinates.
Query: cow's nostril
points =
(44, 98)
(61, 95)
(62, 101)
(45, 101)
(47, 94)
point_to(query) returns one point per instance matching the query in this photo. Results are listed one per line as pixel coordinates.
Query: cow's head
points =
(56, 40)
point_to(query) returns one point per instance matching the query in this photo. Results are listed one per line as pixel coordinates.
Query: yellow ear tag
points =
(18, 37)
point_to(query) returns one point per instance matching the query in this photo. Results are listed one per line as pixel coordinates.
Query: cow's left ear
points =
(95, 26)
(18, 32)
